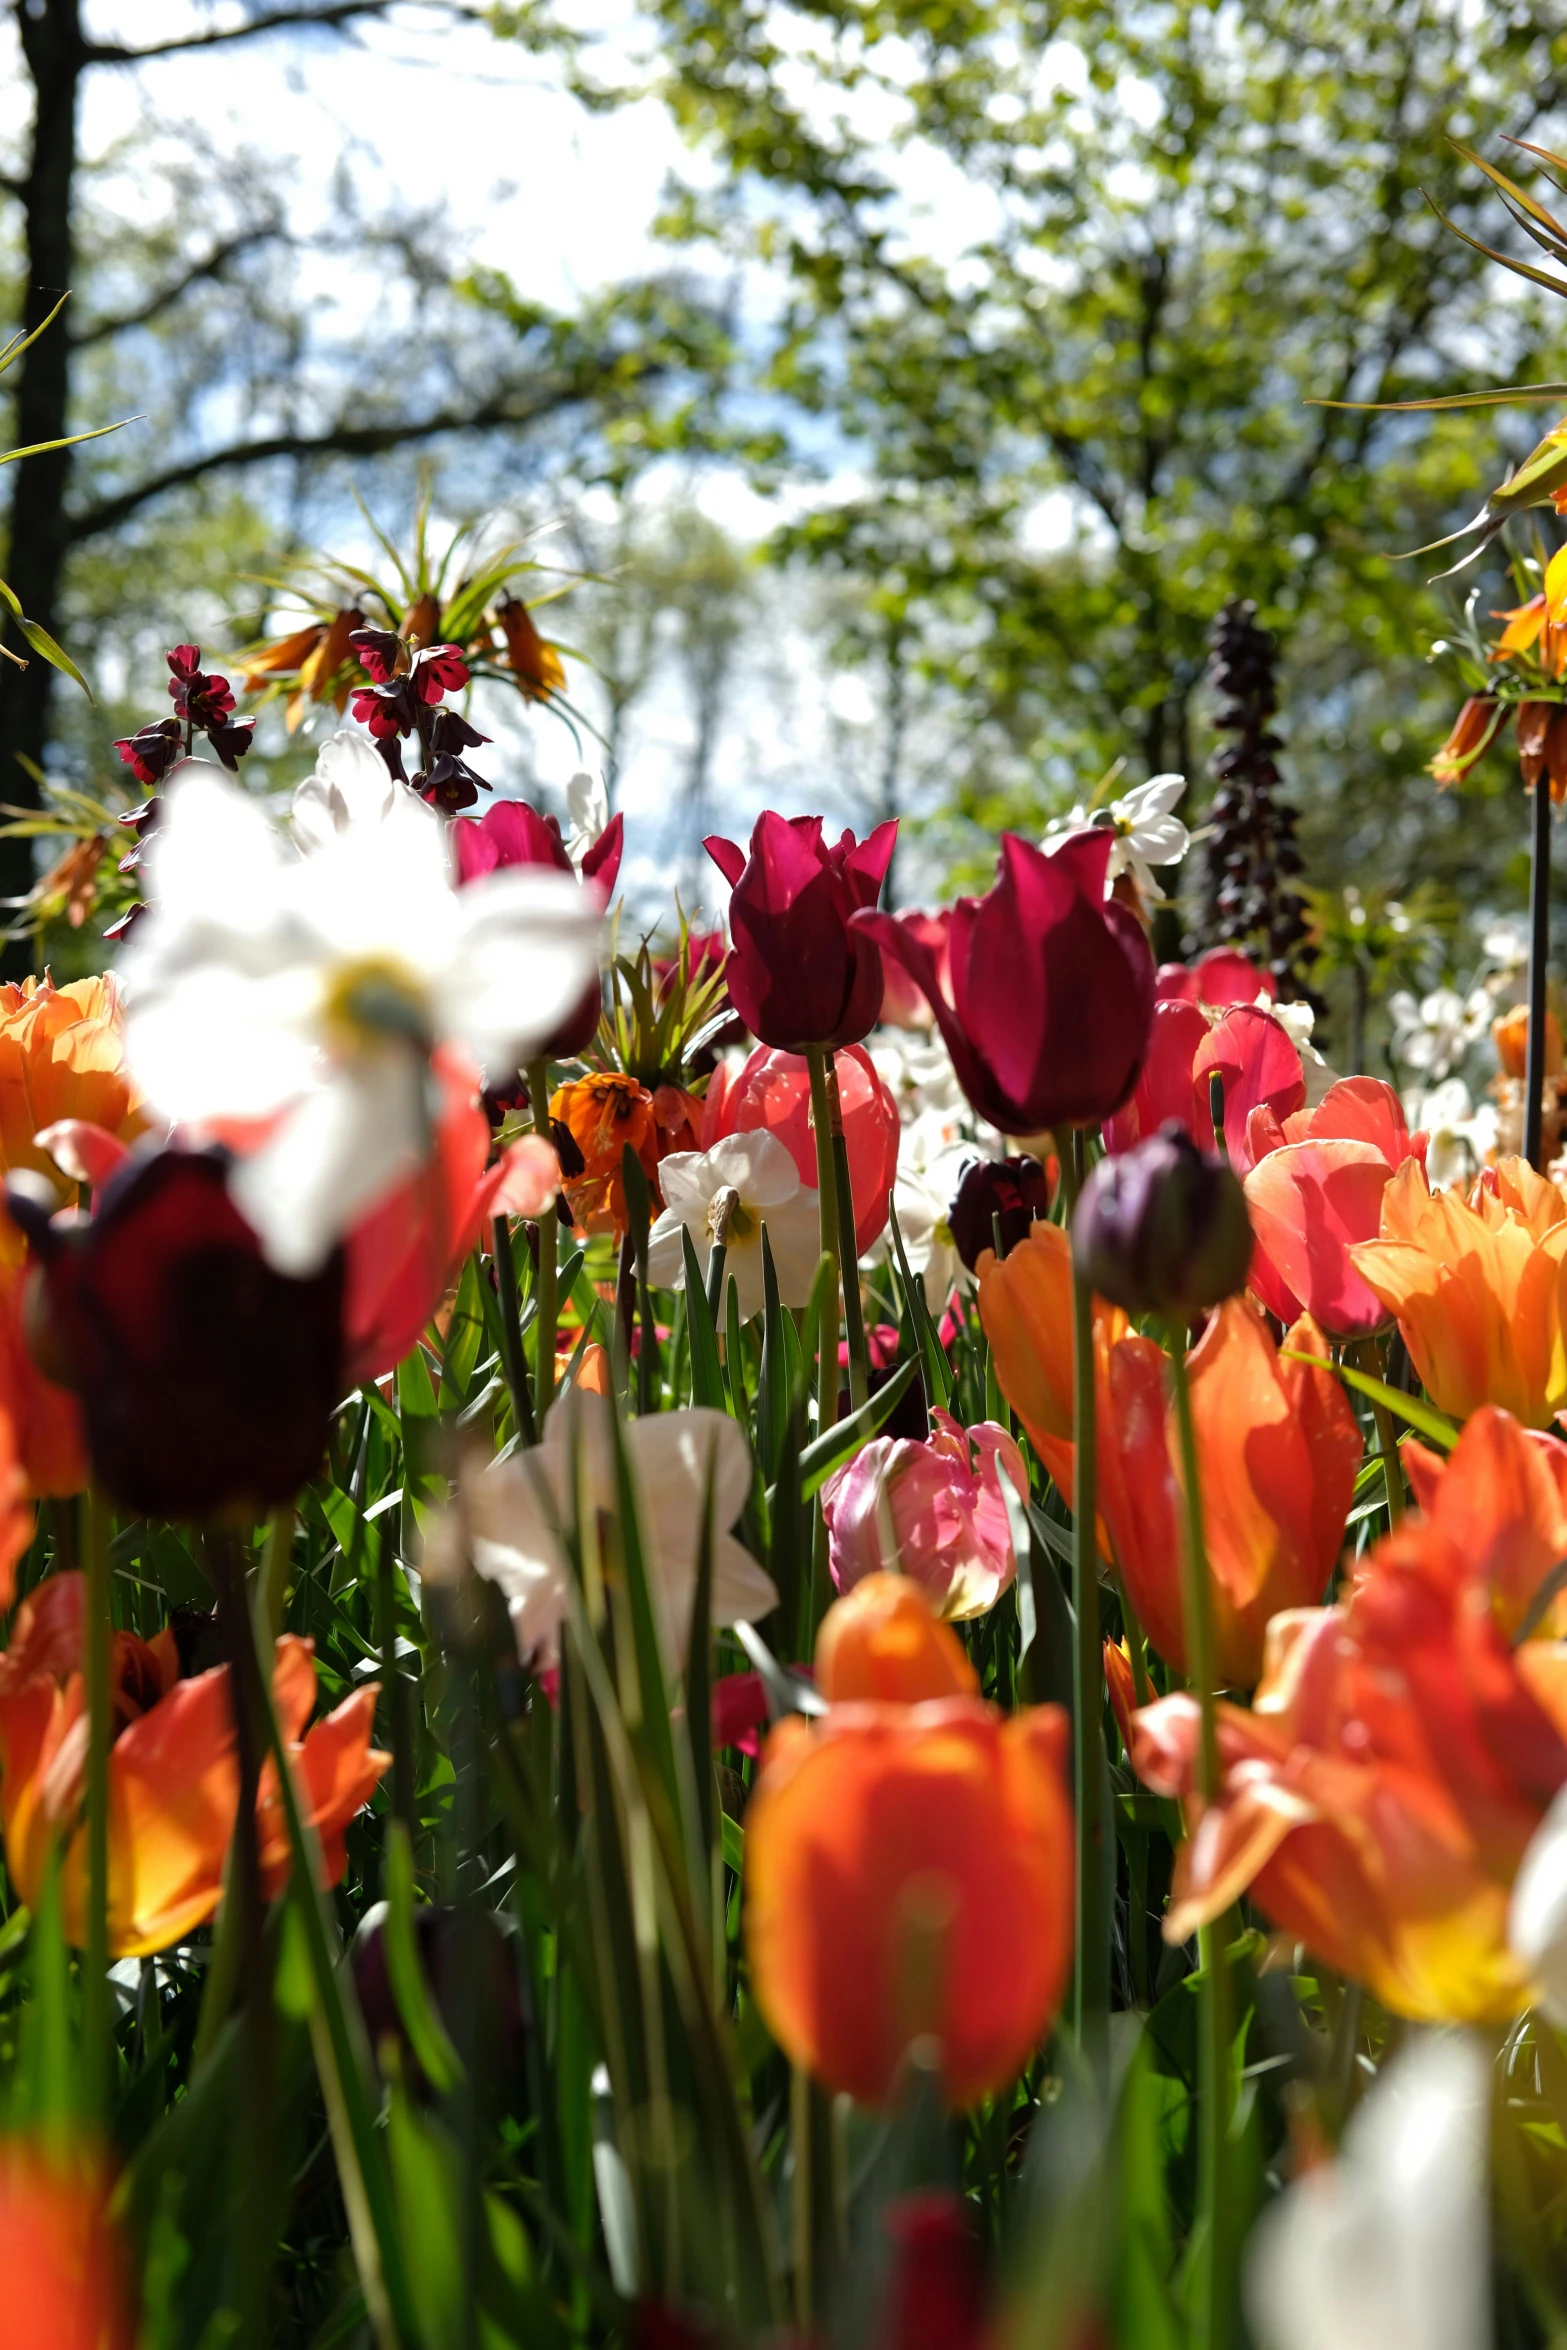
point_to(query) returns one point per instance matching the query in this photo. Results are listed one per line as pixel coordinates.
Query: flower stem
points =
(514, 1360)
(100, 1704)
(544, 1329)
(1213, 2029)
(827, 1201)
(1368, 1358)
(1091, 1987)
(1539, 953)
(849, 1257)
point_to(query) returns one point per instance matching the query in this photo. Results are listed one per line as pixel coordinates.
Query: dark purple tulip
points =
(1163, 1228)
(1014, 1191)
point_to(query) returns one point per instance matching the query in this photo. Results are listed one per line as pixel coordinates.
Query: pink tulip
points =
(1220, 978)
(772, 1094)
(1315, 1190)
(933, 1511)
(1247, 1048)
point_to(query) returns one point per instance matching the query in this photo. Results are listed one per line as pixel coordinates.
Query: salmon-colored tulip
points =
(1247, 1049)
(1278, 1450)
(1479, 1288)
(16, 1517)
(173, 1772)
(1399, 1755)
(1314, 1191)
(62, 1055)
(67, 2277)
(909, 1871)
(883, 1641)
(771, 1094)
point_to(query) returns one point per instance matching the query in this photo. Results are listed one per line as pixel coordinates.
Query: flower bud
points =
(1164, 1228)
(1015, 1190)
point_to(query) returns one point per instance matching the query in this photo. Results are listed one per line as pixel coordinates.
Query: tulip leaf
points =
(835, 1444)
(1421, 1416)
(707, 1379)
(775, 1385)
(940, 1381)
(427, 2035)
(699, 1673)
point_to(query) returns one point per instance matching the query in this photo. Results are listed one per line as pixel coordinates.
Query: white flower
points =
(917, 1071)
(516, 1509)
(587, 812)
(1537, 1918)
(1147, 830)
(1297, 1022)
(767, 1187)
(292, 1003)
(1461, 1139)
(932, 1161)
(351, 786)
(1432, 1033)
(1387, 2247)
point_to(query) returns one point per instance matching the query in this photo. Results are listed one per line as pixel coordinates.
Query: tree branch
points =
(335, 16)
(340, 440)
(210, 265)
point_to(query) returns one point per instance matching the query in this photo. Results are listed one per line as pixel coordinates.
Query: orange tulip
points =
(1510, 1035)
(16, 1518)
(909, 1871)
(883, 1641)
(66, 2275)
(173, 1772)
(1279, 1450)
(62, 1055)
(602, 1114)
(1279, 1445)
(1399, 1755)
(1479, 1288)
(46, 1421)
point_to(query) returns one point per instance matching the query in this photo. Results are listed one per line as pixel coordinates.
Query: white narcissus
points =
(931, 1165)
(1386, 2248)
(766, 1183)
(1147, 830)
(515, 1510)
(1537, 1917)
(290, 1004)
(350, 786)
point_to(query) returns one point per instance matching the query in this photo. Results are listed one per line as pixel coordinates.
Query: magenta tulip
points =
(798, 973)
(1050, 987)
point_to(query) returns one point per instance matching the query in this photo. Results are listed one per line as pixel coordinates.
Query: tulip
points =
(903, 1003)
(909, 1871)
(1050, 988)
(45, 1419)
(1315, 1191)
(1510, 1035)
(1279, 1450)
(883, 1642)
(67, 2275)
(1400, 1753)
(1013, 1193)
(1478, 1287)
(1248, 1050)
(1025, 1306)
(16, 1517)
(518, 1512)
(1219, 978)
(1505, 1510)
(772, 1093)
(933, 1510)
(206, 1380)
(173, 1772)
(62, 1055)
(798, 974)
(604, 1115)
(1163, 1229)
(1387, 2247)
(404, 1256)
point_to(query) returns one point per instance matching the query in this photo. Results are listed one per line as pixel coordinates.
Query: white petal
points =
(213, 860)
(587, 810)
(351, 786)
(1156, 797)
(332, 1157)
(686, 1179)
(666, 1254)
(794, 1236)
(213, 1042)
(1537, 1919)
(1164, 841)
(759, 1167)
(673, 1455)
(525, 951)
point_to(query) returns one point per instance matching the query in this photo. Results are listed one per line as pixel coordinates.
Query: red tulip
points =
(1248, 1049)
(1051, 987)
(903, 1004)
(1314, 1191)
(772, 1094)
(1220, 978)
(798, 974)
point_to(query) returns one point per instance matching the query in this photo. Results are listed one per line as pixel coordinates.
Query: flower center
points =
(375, 997)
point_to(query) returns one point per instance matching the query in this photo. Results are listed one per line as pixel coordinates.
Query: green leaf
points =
(823, 1455)
(427, 2035)
(707, 1379)
(1423, 1416)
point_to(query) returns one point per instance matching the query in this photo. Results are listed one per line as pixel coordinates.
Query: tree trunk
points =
(51, 37)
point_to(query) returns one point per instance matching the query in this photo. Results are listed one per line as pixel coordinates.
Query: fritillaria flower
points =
(291, 1004)
(741, 1184)
(601, 1117)
(173, 1772)
(516, 1511)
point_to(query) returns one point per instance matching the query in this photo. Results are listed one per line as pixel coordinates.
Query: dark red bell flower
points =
(512, 833)
(152, 750)
(206, 1379)
(798, 974)
(1050, 987)
(205, 702)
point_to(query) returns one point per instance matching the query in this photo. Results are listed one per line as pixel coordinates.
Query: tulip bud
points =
(1013, 1190)
(1164, 1228)
(470, 1965)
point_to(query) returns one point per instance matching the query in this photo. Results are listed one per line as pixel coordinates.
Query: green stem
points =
(544, 1326)
(1368, 1357)
(1091, 1989)
(514, 1361)
(100, 1723)
(1213, 2032)
(849, 1258)
(827, 1200)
